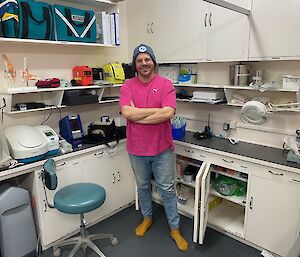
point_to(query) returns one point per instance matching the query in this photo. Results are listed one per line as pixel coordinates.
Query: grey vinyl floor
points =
(157, 242)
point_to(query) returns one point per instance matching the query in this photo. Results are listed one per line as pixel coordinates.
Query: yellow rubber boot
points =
(179, 240)
(143, 227)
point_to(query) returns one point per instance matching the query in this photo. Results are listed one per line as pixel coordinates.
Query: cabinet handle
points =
(244, 167)
(75, 163)
(119, 176)
(228, 161)
(114, 178)
(151, 27)
(99, 153)
(148, 27)
(276, 174)
(251, 203)
(210, 14)
(205, 18)
(61, 164)
(188, 151)
(202, 156)
(295, 180)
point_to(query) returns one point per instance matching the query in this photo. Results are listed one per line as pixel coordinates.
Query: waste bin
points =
(17, 230)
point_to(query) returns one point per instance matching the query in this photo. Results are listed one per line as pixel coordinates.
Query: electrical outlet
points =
(232, 125)
(226, 126)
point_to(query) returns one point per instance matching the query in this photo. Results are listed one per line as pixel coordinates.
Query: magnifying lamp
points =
(255, 112)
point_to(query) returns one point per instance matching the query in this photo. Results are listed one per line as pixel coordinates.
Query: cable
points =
(47, 117)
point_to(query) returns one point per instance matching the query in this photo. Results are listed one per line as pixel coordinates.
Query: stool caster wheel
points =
(114, 241)
(56, 252)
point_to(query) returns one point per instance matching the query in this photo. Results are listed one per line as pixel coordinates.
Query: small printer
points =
(114, 73)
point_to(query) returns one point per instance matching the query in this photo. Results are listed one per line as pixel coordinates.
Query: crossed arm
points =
(147, 115)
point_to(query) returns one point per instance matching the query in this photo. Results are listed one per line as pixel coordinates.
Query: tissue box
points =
(291, 82)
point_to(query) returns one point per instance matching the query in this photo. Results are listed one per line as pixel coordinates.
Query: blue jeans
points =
(162, 167)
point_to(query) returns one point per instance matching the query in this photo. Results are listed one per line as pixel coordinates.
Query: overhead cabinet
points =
(154, 23)
(189, 30)
(274, 34)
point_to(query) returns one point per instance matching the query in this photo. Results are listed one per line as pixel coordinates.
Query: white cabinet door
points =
(96, 169)
(228, 33)
(198, 183)
(274, 29)
(124, 180)
(205, 187)
(192, 30)
(165, 29)
(273, 214)
(140, 22)
(52, 223)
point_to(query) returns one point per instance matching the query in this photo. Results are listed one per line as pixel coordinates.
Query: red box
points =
(83, 75)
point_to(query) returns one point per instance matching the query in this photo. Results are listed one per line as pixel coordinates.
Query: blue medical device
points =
(70, 128)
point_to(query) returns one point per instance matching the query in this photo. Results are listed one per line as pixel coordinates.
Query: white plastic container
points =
(291, 82)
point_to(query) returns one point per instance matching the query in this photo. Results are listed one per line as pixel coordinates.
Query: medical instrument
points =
(70, 128)
(28, 144)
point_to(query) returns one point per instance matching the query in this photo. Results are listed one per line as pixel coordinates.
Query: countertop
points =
(264, 153)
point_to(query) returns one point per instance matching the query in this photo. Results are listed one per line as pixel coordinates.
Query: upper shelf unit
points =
(50, 97)
(239, 95)
(49, 42)
(96, 5)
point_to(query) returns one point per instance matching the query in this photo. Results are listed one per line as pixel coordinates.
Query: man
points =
(148, 102)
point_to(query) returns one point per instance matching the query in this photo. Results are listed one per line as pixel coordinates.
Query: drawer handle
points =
(276, 174)
(119, 176)
(228, 161)
(61, 164)
(295, 180)
(99, 153)
(188, 151)
(114, 178)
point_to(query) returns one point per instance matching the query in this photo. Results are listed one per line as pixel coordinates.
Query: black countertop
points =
(264, 153)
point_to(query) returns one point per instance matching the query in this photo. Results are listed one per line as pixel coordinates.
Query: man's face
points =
(144, 65)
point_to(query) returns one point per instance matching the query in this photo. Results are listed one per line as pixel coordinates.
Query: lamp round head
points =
(254, 112)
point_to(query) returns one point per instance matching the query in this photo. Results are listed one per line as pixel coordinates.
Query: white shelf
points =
(232, 87)
(49, 42)
(229, 175)
(229, 218)
(25, 90)
(240, 200)
(38, 109)
(181, 181)
(109, 101)
(187, 208)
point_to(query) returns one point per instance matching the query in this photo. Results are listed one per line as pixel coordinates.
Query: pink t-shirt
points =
(148, 139)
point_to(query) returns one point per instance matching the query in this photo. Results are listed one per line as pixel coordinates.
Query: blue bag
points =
(74, 24)
(36, 20)
(9, 18)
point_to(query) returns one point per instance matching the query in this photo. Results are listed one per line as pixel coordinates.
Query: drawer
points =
(191, 153)
(233, 163)
(275, 174)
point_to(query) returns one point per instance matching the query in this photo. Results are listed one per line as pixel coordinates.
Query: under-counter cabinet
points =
(264, 210)
(273, 211)
(107, 167)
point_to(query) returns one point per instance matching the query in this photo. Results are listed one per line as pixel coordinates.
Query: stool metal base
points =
(83, 241)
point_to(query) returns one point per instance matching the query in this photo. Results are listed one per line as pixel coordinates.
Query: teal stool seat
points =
(79, 198)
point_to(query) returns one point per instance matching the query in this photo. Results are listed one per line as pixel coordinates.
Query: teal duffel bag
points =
(74, 24)
(36, 20)
(9, 18)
